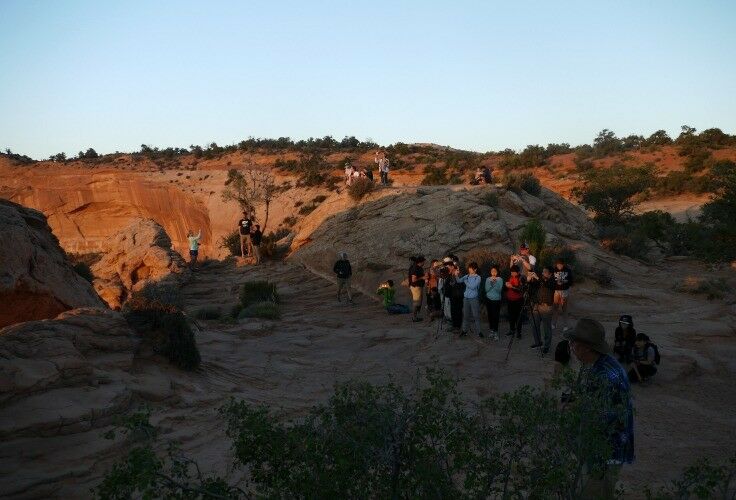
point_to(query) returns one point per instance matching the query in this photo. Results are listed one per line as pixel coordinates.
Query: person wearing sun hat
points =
(605, 378)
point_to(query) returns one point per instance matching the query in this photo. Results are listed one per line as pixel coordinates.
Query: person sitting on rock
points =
(643, 365)
(388, 292)
(343, 271)
(193, 246)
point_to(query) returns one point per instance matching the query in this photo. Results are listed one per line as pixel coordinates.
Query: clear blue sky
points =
(478, 75)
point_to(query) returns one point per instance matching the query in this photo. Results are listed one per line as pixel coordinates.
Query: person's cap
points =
(589, 331)
(523, 246)
(447, 260)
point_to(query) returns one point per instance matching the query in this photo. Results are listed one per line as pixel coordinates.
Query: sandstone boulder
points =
(36, 279)
(57, 374)
(381, 234)
(137, 255)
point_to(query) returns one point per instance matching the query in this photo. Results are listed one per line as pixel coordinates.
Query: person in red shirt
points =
(514, 301)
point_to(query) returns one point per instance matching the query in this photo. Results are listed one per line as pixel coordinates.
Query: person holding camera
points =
(545, 303)
(471, 296)
(524, 260)
(416, 285)
(493, 289)
(515, 300)
(454, 291)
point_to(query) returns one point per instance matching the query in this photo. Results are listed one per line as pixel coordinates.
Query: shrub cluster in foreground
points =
(387, 441)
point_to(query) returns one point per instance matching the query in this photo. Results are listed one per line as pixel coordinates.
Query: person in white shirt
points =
(471, 299)
(349, 171)
(193, 246)
(524, 260)
(383, 167)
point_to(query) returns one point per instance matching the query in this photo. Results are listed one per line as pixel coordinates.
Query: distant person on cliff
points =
(255, 237)
(388, 292)
(383, 167)
(563, 284)
(244, 226)
(343, 271)
(368, 173)
(416, 285)
(193, 246)
(349, 173)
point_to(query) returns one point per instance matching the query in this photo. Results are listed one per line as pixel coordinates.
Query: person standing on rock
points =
(416, 285)
(193, 246)
(493, 289)
(607, 390)
(544, 307)
(563, 282)
(343, 271)
(471, 302)
(255, 237)
(524, 260)
(514, 301)
(383, 167)
(349, 171)
(244, 226)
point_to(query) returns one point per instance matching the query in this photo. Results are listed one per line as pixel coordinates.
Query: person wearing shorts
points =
(563, 283)
(416, 285)
(193, 246)
(244, 226)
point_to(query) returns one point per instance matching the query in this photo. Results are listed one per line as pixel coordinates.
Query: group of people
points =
(352, 173)
(250, 237)
(458, 297)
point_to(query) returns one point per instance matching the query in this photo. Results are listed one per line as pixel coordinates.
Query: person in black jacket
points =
(545, 304)
(343, 271)
(256, 235)
(455, 291)
(624, 339)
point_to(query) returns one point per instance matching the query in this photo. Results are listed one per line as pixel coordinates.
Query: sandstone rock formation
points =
(381, 234)
(137, 255)
(36, 280)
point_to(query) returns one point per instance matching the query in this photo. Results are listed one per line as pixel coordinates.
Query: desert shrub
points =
(675, 182)
(253, 292)
(307, 209)
(703, 479)
(231, 242)
(319, 199)
(290, 220)
(712, 288)
(265, 310)
(235, 310)
(610, 193)
(435, 176)
(360, 187)
(208, 313)
(534, 235)
(697, 160)
(269, 244)
(485, 259)
(155, 314)
(490, 198)
(583, 165)
(83, 270)
(624, 241)
(523, 182)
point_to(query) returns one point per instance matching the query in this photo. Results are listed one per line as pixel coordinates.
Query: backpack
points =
(657, 358)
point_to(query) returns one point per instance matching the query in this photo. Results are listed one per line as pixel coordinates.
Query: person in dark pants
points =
(643, 365)
(255, 238)
(454, 291)
(493, 289)
(416, 285)
(544, 308)
(624, 339)
(514, 301)
(343, 271)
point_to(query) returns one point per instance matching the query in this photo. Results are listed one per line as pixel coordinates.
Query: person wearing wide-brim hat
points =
(607, 377)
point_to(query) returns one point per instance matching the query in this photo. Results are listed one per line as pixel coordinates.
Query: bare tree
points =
(250, 187)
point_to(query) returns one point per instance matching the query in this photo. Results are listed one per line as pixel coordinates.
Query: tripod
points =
(527, 307)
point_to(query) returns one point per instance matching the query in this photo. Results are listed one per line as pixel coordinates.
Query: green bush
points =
(610, 193)
(435, 176)
(307, 209)
(697, 160)
(155, 314)
(253, 292)
(490, 198)
(231, 242)
(534, 235)
(523, 182)
(266, 310)
(701, 480)
(360, 187)
(208, 313)
(549, 255)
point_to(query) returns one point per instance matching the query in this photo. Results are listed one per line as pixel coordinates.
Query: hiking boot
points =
(535, 345)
